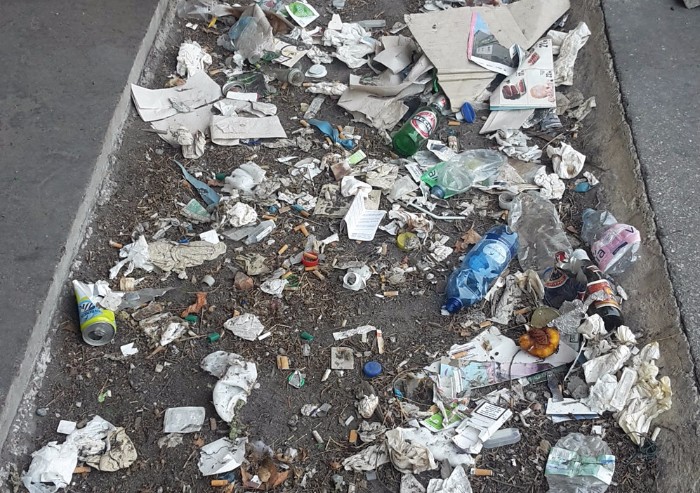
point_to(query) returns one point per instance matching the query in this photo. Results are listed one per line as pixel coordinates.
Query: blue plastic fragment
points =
(328, 130)
(582, 187)
(468, 113)
(372, 369)
(205, 191)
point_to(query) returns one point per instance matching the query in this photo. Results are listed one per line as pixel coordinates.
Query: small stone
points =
(243, 282)
(42, 411)
(531, 396)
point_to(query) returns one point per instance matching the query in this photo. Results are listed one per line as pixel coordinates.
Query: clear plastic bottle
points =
(463, 171)
(614, 245)
(480, 268)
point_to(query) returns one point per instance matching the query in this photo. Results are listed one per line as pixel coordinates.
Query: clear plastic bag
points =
(463, 171)
(580, 464)
(540, 231)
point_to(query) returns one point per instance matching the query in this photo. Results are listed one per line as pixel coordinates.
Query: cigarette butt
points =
(318, 274)
(212, 424)
(453, 123)
(115, 244)
(317, 436)
(475, 471)
(484, 324)
(268, 216)
(391, 294)
(352, 437)
(307, 84)
(219, 482)
(304, 231)
(298, 227)
(311, 268)
(329, 141)
(282, 362)
(81, 470)
(282, 250)
(304, 123)
(523, 311)
(340, 129)
(326, 374)
(286, 274)
(380, 342)
(341, 135)
(304, 213)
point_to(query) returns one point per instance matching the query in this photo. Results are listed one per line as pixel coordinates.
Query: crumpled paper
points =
(191, 58)
(176, 257)
(370, 431)
(367, 405)
(241, 214)
(567, 161)
(609, 363)
(564, 64)
(369, 459)
(120, 452)
(407, 456)
(222, 456)
(217, 363)
(136, 255)
(233, 388)
(551, 186)
(192, 144)
(648, 398)
(246, 326)
(274, 287)
(458, 482)
(352, 44)
(513, 143)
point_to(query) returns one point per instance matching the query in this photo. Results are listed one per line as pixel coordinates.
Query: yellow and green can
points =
(97, 325)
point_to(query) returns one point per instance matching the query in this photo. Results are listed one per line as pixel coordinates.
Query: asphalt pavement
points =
(63, 98)
(655, 46)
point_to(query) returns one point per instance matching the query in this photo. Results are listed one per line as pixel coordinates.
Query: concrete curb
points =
(41, 329)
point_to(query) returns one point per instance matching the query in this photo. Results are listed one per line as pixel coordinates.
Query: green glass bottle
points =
(417, 130)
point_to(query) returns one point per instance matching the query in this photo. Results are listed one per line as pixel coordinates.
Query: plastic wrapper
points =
(580, 464)
(540, 231)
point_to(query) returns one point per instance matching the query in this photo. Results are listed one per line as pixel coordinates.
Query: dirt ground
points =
(146, 185)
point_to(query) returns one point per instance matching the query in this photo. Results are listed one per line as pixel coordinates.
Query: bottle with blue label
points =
(480, 268)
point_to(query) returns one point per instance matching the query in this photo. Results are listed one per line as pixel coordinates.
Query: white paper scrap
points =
(362, 224)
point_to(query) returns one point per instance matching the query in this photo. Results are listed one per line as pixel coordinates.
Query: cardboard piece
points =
(228, 130)
(444, 38)
(156, 104)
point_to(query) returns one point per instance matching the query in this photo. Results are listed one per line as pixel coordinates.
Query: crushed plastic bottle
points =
(580, 463)
(614, 245)
(540, 231)
(480, 268)
(462, 172)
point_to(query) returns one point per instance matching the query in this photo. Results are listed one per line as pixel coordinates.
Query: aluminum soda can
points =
(97, 325)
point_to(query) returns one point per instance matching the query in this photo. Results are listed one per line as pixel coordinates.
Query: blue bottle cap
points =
(453, 305)
(372, 369)
(468, 113)
(437, 191)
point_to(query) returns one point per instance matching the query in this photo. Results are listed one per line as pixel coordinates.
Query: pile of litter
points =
(536, 300)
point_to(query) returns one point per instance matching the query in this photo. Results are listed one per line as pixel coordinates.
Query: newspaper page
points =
(532, 85)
